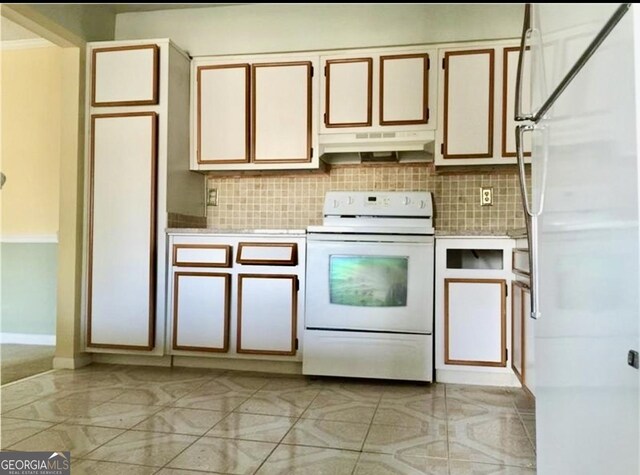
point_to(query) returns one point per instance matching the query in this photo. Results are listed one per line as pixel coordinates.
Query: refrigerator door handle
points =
(531, 216)
(526, 33)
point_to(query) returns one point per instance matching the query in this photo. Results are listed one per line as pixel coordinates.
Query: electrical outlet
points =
(486, 196)
(212, 197)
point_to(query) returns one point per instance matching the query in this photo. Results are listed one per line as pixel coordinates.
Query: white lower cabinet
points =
(236, 295)
(473, 325)
(474, 322)
(201, 311)
(267, 314)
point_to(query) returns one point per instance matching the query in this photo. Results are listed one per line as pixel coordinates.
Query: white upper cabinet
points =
(381, 90)
(254, 113)
(348, 88)
(477, 102)
(404, 89)
(222, 121)
(281, 112)
(125, 75)
(468, 114)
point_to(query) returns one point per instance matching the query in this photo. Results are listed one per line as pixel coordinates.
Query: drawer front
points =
(520, 262)
(202, 255)
(268, 253)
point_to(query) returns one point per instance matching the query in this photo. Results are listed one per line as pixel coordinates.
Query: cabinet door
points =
(267, 314)
(222, 113)
(517, 330)
(509, 76)
(474, 322)
(404, 89)
(122, 231)
(201, 311)
(281, 112)
(348, 92)
(468, 104)
(124, 76)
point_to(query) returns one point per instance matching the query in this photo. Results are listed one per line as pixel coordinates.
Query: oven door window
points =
(368, 281)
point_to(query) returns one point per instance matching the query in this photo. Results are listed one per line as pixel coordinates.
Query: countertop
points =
(449, 233)
(495, 233)
(234, 231)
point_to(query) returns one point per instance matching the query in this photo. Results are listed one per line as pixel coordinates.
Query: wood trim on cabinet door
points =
(327, 94)
(155, 78)
(294, 313)
(505, 92)
(503, 323)
(522, 288)
(309, 155)
(247, 107)
(425, 90)
(447, 54)
(227, 312)
(152, 233)
(225, 247)
(292, 261)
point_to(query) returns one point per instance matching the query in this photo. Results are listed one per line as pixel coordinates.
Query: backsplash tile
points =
(295, 200)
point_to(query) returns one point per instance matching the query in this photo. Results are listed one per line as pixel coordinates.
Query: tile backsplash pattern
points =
(295, 201)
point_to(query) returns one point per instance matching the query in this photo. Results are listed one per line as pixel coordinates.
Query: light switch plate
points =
(486, 196)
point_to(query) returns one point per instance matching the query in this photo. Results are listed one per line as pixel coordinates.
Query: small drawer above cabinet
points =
(521, 262)
(202, 255)
(268, 253)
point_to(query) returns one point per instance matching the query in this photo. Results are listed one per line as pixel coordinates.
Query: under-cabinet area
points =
(235, 295)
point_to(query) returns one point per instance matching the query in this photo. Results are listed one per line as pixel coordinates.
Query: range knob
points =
(406, 201)
(350, 200)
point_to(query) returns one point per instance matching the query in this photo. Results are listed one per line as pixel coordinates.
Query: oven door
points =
(370, 283)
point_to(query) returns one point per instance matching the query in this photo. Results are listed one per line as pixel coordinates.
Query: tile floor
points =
(172, 421)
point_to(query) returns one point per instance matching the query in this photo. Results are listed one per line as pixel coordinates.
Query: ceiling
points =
(148, 7)
(12, 31)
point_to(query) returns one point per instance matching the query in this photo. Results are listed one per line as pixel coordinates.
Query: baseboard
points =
(477, 377)
(79, 361)
(262, 366)
(27, 339)
(139, 360)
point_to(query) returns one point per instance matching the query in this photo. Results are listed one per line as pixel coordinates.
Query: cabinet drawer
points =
(268, 253)
(520, 262)
(202, 255)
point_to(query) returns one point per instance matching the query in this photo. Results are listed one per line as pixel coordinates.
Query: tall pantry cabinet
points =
(137, 173)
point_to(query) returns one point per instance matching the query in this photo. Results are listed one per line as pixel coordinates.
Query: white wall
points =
(262, 28)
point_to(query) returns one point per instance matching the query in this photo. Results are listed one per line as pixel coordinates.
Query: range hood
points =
(398, 146)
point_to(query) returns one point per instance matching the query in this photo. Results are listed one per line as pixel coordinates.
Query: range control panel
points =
(376, 203)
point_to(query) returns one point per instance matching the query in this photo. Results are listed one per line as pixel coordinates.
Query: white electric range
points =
(369, 302)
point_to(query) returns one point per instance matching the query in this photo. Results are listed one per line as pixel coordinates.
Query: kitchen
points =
(457, 197)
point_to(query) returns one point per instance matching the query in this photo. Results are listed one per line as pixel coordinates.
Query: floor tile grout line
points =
(34, 434)
(203, 435)
(446, 419)
(526, 431)
(364, 441)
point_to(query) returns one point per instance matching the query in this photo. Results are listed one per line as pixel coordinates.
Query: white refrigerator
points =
(585, 241)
